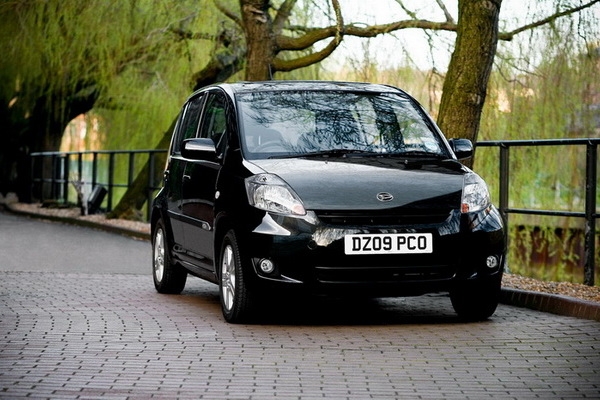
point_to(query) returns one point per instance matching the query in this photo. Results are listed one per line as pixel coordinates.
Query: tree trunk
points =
(466, 82)
(137, 194)
(260, 42)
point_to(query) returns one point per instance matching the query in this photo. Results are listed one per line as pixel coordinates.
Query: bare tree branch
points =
(375, 30)
(283, 14)
(290, 65)
(339, 19)
(315, 35)
(410, 13)
(312, 36)
(445, 10)
(183, 34)
(228, 13)
(509, 35)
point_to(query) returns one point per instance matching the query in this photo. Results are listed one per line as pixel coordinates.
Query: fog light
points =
(266, 266)
(491, 262)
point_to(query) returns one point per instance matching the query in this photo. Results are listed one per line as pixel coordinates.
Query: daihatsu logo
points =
(384, 196)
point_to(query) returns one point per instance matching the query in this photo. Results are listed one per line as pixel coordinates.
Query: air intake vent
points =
(369, 218)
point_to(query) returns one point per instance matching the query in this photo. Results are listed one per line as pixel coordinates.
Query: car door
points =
(186, 127)
(199, 184)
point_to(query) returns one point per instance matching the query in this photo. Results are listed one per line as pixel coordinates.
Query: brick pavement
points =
(561, 305)
(87, 336)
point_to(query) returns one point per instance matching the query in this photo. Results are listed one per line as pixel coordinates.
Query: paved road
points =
(78, 326)
(35, 245)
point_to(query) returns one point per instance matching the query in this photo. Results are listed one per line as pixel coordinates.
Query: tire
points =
(169, 277)
(476, 302)
(236, 298)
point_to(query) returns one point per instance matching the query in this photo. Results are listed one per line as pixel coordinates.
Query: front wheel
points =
(236, 299)
(476, 301)
(168, 277)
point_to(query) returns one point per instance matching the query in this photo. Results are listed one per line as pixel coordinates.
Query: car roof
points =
(303, 85)
(309, 85)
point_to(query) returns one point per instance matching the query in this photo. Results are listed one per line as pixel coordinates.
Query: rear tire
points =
(236, 298)
(476, 301)
(169, 277)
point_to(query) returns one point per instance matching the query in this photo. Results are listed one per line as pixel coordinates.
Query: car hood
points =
(354, 183)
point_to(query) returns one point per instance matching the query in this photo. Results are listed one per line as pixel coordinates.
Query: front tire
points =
(476, 301)
(169, 277)
(236, 298)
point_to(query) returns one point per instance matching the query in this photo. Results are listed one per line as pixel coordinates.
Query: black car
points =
(329, 187)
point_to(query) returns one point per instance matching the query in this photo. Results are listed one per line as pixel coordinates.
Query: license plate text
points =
(401, 243)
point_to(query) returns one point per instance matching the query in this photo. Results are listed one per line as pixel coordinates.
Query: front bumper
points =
(309, 254)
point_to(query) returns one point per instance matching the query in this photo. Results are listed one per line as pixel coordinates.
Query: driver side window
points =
(188, 124)
(214, 124)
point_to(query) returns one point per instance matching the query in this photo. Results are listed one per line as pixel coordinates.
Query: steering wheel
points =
(272, 145)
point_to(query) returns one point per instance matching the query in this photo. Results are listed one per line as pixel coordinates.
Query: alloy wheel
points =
(159, 255)
(228, 268)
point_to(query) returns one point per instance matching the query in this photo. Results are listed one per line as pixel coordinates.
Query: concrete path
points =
(83, 320)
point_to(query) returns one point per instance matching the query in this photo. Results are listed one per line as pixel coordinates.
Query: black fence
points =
(55, 174)
(591, 169)
(76, 176)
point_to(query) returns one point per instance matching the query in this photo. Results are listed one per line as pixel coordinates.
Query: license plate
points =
(397, 243)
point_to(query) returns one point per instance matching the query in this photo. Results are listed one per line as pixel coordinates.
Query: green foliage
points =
(552, 99)
(125, 50)
(129, 52)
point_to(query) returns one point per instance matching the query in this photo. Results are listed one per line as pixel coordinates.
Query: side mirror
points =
(462, 148)
(199, 149)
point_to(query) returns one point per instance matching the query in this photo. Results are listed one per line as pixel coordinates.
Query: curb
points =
(80, 222)
(551, 303)
(539, 301)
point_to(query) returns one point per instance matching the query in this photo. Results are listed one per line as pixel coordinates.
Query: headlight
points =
(271, 193)
(475, 195)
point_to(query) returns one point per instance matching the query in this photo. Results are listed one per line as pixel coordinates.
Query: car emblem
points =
(384, 196)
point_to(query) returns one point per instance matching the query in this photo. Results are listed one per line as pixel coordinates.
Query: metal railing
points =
(53, 172)
(589, 214)
(51, 177)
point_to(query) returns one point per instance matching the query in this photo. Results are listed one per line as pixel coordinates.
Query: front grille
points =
(370, 218)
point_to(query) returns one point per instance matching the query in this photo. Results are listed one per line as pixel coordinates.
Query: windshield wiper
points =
(341, 153)
(337, 153)
(420, 153)
(328, 153)
(418, 158)
(412, 155)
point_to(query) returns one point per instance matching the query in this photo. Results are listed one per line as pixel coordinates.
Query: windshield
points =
(301, 123)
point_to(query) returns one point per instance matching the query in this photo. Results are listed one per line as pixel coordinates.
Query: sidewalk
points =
(540, 301)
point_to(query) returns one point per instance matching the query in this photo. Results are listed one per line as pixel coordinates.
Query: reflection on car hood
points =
(354, 183)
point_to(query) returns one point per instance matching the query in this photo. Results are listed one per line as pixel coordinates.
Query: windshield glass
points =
(297, 123)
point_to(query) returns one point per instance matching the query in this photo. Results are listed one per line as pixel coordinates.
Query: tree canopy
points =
(136, 60)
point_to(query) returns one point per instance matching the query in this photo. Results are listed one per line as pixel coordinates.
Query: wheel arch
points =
(158, 213)
(223, 224)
